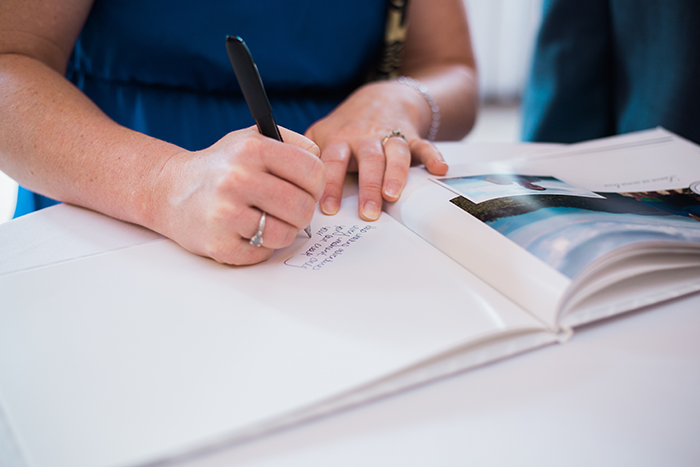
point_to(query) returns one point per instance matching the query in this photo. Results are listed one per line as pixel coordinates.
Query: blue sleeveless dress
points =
(160, 67)
(604, 67)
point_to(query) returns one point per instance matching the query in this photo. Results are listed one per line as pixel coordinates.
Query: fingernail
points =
(392, 189)
(371, 210)
(441, 165)
(330, 206)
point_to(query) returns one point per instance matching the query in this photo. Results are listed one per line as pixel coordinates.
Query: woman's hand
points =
(438, 53)
(351, 138)
(212, 200)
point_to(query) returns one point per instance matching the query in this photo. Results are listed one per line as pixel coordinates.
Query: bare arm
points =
(55, 140)
(437, 53)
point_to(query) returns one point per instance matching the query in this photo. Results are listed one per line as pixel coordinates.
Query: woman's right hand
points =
(211, 201)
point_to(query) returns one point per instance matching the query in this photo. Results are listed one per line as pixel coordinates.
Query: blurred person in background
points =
(605, 67)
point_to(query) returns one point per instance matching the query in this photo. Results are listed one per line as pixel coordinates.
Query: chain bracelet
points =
(434, 108)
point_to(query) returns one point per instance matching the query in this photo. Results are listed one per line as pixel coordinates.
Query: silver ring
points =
(257, 239)
(395, 133)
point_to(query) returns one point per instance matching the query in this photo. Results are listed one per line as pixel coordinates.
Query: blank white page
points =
(135, 354)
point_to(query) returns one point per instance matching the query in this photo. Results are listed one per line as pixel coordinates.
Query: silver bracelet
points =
(434, 108)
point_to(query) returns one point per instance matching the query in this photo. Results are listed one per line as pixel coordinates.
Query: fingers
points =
(275, 233)
(228, 231)
(383, 170)
(281, 199)
(371, 164)
(233, 231)
(278, 178)
(300, 141)
(295, 165)
(335, 157)
(215, 197)
(427, 154)
(270, 235)
(398, 160)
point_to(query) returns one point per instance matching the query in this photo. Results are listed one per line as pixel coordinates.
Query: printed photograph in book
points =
(480, 188)
(568, 227)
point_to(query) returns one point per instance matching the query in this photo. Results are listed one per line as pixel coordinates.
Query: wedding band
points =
(395, 133)
(257, 239)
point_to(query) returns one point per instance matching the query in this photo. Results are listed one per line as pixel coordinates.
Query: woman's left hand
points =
(353, 138)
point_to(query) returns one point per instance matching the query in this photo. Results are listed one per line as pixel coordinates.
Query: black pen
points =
(253, 90)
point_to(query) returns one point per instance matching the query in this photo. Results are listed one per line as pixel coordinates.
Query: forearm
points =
(55, 141)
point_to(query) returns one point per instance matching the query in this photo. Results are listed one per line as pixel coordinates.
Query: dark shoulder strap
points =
(394, 37)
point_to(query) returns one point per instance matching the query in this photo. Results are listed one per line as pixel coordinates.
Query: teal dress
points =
(160, 67)
(605, 67)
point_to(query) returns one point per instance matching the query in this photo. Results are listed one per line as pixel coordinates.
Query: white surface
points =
(622, 392)
(63, 232)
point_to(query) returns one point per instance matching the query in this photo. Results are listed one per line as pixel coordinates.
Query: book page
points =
(560, 214)
(650, 185)
(151, 351)
(427, 208)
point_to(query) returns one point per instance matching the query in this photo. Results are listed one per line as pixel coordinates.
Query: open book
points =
(574, 235)
(151, 354)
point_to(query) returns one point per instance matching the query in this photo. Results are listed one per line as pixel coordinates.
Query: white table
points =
(621, 392)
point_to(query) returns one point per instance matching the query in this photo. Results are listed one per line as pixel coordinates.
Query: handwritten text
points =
(330, 243)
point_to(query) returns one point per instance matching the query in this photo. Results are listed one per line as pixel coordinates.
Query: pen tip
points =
(308, 231)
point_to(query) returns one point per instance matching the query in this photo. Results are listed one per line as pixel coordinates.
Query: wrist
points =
(161, 195)
(434, 125)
